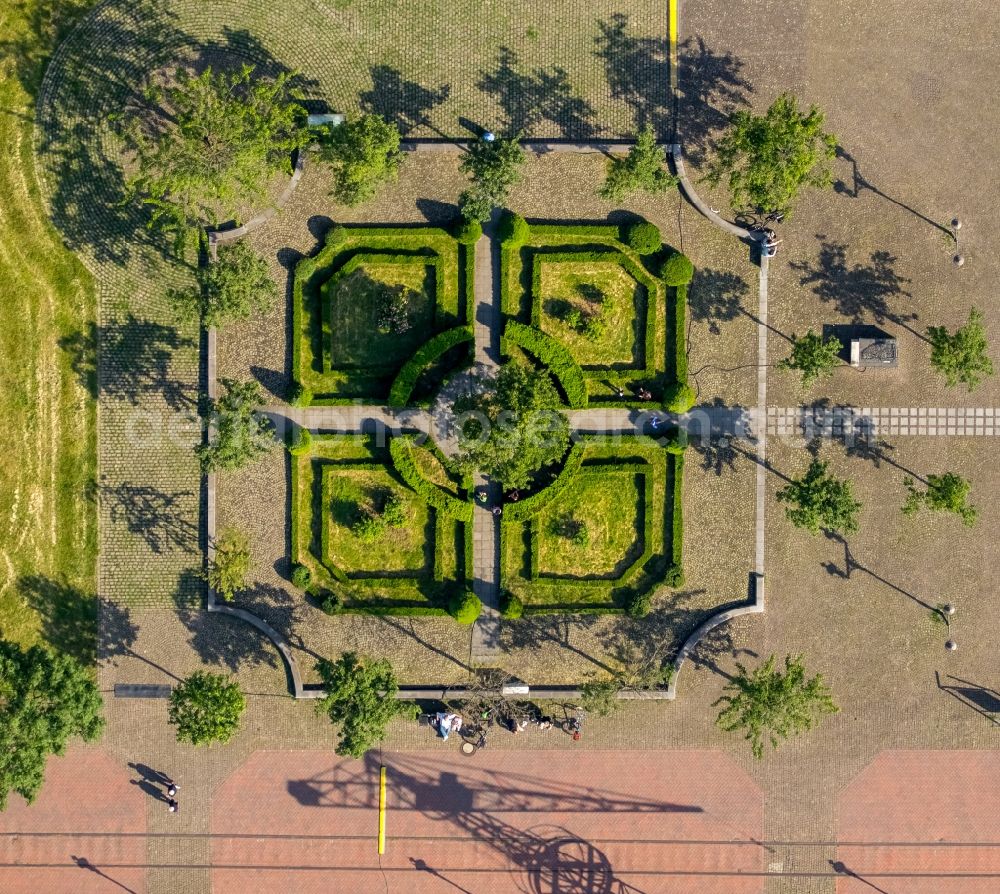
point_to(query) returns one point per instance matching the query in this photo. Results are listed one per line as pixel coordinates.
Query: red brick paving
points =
(498, 822)
(85, 789)
(937, 799)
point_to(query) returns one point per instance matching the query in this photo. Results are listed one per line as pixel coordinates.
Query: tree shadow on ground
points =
(532, 631)
(48, 22)
(637, 69)
(405, 103)
(710, 89)
(716, 296)
(715, 457)
(228, 642)
(529, 98)
(136, 358)
(163, 519)
(857, 291)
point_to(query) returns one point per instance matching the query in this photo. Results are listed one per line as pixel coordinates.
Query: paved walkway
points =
(486, 527)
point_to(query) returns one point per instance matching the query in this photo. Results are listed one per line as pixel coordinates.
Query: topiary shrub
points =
(639, 604)
(675, 576)
(643, 237)
(298, 396)
(331, 604)
(677, 270)
(468, 232)
(678, 441)
(301, 577)
(511, 608)
(465, 606)
(513, 230)
(301, 441)
(678, 397)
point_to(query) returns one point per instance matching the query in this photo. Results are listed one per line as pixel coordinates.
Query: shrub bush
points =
(513, 230)
(677, 442)
(643, 237)
(331, 604)
(301, 442)
(465, 606)
(677, 270)
(639, 604)
(678, 397)
(511, 608)
(675, 576)
(301, 577)
(299, 396)
(468, 232)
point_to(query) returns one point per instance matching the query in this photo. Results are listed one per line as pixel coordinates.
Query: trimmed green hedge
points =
(677, 270)
(402, 459)
(527, 507)
(643, 237)
(468, 232)
(406, 379)
(551, 354)
(513, 230)
(465, 606)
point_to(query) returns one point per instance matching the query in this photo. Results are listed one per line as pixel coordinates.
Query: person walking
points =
(172, 805)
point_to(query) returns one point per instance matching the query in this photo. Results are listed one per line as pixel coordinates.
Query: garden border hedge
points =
(551, 354)
(400, 448)
(406, 379)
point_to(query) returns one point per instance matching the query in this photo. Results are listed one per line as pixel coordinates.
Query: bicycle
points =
(758, 221)
(574, 725)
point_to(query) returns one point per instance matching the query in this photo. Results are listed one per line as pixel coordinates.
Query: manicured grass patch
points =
(338, 353)
(596, 309)
(585, 288)
(355, 304)
(415, 564)
(612, 529)
(595, 528)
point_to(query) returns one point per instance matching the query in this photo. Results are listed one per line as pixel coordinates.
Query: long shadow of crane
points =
(552, 859)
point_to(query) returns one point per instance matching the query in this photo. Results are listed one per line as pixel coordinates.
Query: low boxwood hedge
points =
(402, 459)
(406, 379)
(552, 355)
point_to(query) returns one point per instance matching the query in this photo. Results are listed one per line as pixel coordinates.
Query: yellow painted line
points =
(673, 43)
(381, 811)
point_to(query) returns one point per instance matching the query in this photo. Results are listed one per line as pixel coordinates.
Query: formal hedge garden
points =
(380, 528)
(604, 534)
(603, 306)
(365, 305)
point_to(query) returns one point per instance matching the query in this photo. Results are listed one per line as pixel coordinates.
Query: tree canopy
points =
(494, 167)
(363, 154)
(813, 357)
(228, 570)
(45, 698)
(361, 697)
(643, 169)
(769, 704)
(513, 429)
(241, 434)
(820, 501)
(767, 159)
(235, 287)
(961, 356)
(206, 708)
(945, 493)
(211, 143)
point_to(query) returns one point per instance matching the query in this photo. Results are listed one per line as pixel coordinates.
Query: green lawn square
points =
(601, 288)
(407, 550)
(610, 505)
(624, 491)
(354, 302)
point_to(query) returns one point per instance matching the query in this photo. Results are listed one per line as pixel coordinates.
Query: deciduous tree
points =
(512, 430)
(228, 570)
(643, 169)
(363, 154)
(206, 708)
(494, 167)
(945, 493)
(236, 287)
(771, 705)
(210, 143)
(45, 699)
(820, 501)
(813, 357)
(766, 159)
(961, 356)
(241, 434)
(361, 697)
